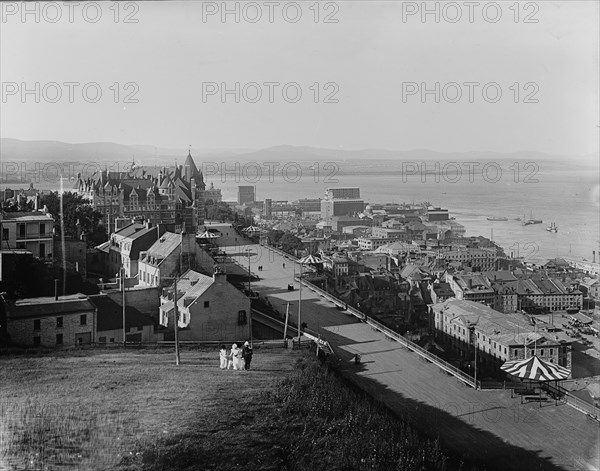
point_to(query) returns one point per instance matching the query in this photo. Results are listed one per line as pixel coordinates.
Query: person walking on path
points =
(284, 265)
(223, 357)
(247, 355)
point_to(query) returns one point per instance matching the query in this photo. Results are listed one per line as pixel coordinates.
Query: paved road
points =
(485, 426)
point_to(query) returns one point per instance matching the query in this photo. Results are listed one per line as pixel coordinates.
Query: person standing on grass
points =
(247, 355)
(231, 357)
(223, 357)
(236, 357)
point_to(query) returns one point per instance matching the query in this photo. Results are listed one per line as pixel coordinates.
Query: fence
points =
(447, 367)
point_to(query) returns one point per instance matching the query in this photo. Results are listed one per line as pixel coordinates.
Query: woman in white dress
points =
(223, 357)
(236, 356)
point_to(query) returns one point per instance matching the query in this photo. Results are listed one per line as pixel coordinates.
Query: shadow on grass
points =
(462, 440)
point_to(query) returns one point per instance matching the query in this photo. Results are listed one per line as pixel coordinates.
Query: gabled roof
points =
(164, 246)
(190, 285)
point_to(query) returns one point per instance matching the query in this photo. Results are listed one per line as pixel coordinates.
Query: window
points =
(37, 340)
(36, 324)
(102, 339)
(59, 339)
(206, 303)
(21, 246)
(59, 322)
(542, 352)
(42, 229)
(551, 351)
(83, 319)
(4, 234)
(242, 320)
(21, 230)
(112, 340)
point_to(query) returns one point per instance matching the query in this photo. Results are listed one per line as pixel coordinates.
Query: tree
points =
(75, 208)
(290, 243)
(218, 211)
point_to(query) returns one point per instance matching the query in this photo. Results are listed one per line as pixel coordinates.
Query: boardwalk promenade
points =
(485, 426)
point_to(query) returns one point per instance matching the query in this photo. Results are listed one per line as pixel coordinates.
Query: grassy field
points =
(136, 411)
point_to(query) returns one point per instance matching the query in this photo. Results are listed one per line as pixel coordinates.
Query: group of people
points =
(260, 268)
(236, 358)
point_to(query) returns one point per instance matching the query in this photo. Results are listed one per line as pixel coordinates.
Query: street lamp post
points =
(299, 307)
(176, 325)
(122, 270)
(249, 273)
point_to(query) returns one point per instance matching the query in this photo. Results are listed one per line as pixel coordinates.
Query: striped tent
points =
(535, 369)
(253, 230)
(208, 235)
(309, 260)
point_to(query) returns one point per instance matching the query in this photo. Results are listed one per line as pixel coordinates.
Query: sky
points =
(361, 68)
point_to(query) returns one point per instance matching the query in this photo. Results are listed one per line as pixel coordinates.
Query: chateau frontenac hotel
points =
(174, 196)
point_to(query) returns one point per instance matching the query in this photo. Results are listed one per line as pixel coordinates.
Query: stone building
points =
(209, 308)
(51, 321)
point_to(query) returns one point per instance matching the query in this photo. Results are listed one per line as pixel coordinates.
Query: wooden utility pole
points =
(123, 302)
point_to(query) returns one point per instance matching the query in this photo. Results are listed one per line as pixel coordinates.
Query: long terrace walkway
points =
(488, 427)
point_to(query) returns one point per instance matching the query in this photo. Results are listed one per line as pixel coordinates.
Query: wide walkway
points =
(485, 426)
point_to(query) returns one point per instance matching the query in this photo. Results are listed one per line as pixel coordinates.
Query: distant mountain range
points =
(56, 151)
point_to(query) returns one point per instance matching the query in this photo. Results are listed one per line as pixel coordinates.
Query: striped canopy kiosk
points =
(252, 230)
(208, 235)
(535, 369)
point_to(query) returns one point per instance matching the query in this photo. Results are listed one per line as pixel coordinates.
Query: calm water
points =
(558, 192)
(562, 195)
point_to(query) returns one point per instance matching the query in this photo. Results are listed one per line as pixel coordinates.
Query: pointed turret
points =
(190, 169)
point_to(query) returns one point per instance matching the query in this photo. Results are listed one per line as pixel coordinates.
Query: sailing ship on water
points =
(496, 218)
(527, 222)
(552, 228)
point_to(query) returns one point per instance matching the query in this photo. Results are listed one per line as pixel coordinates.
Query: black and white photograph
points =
(358, 235)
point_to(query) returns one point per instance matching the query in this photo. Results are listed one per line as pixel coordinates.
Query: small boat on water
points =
(492, 218)
(527, 222)
(552, 228)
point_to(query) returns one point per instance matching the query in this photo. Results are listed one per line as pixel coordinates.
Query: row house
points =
(471, 287)
(547, 294)
(209, 308)
(498, 337)
(51, 321)
(165, 257)
(476, 259)
(125, 245)
(31, 231)
(336, 264)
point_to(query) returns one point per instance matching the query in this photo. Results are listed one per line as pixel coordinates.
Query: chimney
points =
(219, 276)
(470, 282)
(594, 254)
(56, 290)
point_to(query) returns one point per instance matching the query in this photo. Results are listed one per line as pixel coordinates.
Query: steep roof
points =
(164, 246)
(190, 169)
